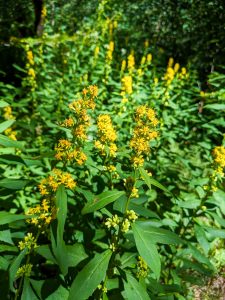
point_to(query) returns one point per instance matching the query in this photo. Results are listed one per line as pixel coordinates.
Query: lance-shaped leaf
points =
(90, 277)
(13, 184)
(7, 142)
(134, 290)
(158, 235)
(14, 267)
(6, 124)
(6, 217)
(101, 201)
(150, 181)
(147, 249)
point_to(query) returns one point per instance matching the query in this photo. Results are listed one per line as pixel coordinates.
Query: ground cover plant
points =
(112, 161)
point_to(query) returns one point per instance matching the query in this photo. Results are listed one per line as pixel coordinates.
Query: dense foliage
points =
(112, 156)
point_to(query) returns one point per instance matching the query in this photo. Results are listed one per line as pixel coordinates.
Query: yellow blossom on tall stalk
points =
(42, 214)
(96, 51)
(127, 84)
(149, 58)
(110, 50)
(106, 136)
(143, 133)
(146, 43)
(9, 116)
(130, 62)
(170, 62)
(142, 268)
(31, 74)
(29, 242)
(169, 76)
(143, 60)
(176, 67)
(183, 73)
(30, 57)
(44, 12)
(78, 123)
(25, 270)
(123, 65)
(54, 180)
(219, 159)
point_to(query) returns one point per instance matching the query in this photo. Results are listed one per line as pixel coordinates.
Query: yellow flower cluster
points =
(96, 52)
(25, 270)
(9, 116)
(65, 149)
(123, 65)
(142, 267)
(169, 76)
(219, 155)
(8, 113)
(31, 78)
(172, 70)
(42, 214)
(53, 181)
(29, 242)
(130, 62)
(112, 222)
(143, 133)
(44, 12)
(127, 84)
(106, 136)
(149, 58)
(110, 51)
(30, 57)
(219, 159)
(125, 224)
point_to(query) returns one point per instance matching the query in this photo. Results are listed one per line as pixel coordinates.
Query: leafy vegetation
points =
(112, 161)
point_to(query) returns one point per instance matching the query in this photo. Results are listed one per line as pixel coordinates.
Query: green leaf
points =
(13, 184)
(201, 238)
(215, 232)
(159, 235)
(14, 268)
(6, 124)
(6, 217)
(90, 277)
(6, 248)
(3, 103)
(61, 204)
(3, 263)
(7, 142)
(150, 181)
(60, 294)
(11, 159)
(28, 292)
(134, 290)
(75, 254)
(58, 244)
(101, 201)
(216, 106)
(5, 236)
(44, 250)
(147, 249)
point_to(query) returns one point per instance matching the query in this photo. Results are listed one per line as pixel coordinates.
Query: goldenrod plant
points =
(111, 162)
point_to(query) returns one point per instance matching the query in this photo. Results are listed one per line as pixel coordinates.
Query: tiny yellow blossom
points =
(125, 226)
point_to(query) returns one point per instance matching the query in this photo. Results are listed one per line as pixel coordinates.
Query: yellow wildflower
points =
(149, 57)
(31, 72)
(25, 270)
(125, 226)
(130, 62)
(123, 65)
(127, 84)
(29, 242)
